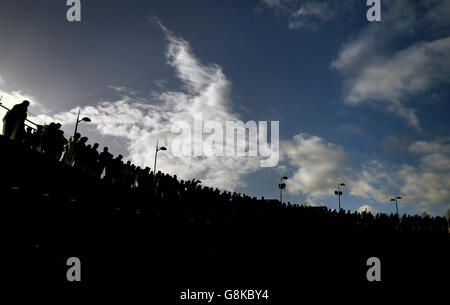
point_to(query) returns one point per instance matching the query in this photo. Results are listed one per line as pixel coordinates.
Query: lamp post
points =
(282, 186)
(156, 154)
(339, 194)
(85, 119)
(396, 198)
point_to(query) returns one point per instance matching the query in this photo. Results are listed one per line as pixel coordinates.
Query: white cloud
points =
(350, 54)
(310, 15)
(317, 163)
(423, 187)
(367, 208)
(375, 39)
(272, 3)
(426, 147)
(375, 181)
(376, 73)
(429, 183)
(140, 121)
(124, 90)
(410, 71)
(426, 187)
(301, 14)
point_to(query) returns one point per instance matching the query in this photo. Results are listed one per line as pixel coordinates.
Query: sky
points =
(358, 102)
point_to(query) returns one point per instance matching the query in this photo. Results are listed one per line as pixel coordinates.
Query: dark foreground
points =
(51, 212)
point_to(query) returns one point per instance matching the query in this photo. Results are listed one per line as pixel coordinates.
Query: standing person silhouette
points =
(104, 160)
(14, 121)
(69, 155)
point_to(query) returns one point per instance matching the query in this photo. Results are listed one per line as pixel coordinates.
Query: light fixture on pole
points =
(282, 186)
(396, 198)
(156, 154)
(85, 119)
(339, 194)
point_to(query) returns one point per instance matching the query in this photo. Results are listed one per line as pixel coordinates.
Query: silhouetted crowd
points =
(200, 203)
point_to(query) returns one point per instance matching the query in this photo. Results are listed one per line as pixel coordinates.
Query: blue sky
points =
(366, 102)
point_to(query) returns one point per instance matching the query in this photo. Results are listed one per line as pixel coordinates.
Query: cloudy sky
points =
(366, 103)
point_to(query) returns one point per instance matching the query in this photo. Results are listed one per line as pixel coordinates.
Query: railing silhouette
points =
(1, 105)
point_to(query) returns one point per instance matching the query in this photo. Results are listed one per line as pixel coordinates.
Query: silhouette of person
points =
(80, 153)
(69, 154)
(47, 135)
(14, 121)
(116, 167)
(93, 156)
(61, 142)
(36, 142)
(28, 138)
(53, 141)
(104, 163)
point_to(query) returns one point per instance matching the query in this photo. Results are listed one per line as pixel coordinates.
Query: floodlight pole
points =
(280, 186)
(85, 119)
(156, 154)
(339, 197)
(281, 190)
(339, 193)
(396, 204)
(76, 124)
(396, 198)
(281, 193)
